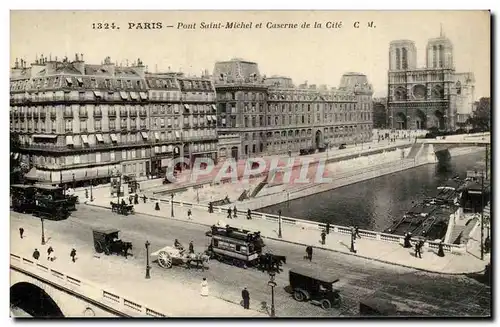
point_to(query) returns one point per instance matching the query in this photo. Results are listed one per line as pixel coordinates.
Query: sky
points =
(317, 55)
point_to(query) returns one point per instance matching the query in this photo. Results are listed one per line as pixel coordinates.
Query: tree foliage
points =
(481, 118)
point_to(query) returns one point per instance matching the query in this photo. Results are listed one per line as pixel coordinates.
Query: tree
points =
(481, 117)
(17, 169)
(379, 115)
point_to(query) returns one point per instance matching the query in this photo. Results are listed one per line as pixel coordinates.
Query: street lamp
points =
(148, 267)
(43, 233)
(287, 199)
(172, 205)
(482, 216)
(279, 223)
(273, 284)
(91, 195)
(74, 181)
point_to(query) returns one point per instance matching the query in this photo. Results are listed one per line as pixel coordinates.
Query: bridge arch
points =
(34, 300)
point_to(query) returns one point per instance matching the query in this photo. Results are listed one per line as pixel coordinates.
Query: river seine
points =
(376, 203)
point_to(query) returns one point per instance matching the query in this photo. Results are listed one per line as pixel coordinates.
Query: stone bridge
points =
(43, 291)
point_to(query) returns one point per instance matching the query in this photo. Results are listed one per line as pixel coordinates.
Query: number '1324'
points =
(104, 26)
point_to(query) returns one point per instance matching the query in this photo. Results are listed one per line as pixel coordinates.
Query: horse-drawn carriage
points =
(168, 256)
(122, 208)
(107, 241)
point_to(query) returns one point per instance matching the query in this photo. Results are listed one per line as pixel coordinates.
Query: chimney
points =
(79, 64)
(109, 66)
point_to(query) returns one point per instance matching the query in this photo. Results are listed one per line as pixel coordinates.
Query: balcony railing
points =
(97, 113)
(42, 115)
(112, 114)
(29, 115)
(53, 115)
(143, 113)
(123, 128)
(133, 114)
(133, 128)
(112, 128)
(68, 114)
(83, 114)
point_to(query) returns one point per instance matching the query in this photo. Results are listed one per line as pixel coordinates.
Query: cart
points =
(169, 256)
(107, 241)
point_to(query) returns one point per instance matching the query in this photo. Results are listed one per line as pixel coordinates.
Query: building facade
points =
(273, 116)
(79, 122)
(434, 96)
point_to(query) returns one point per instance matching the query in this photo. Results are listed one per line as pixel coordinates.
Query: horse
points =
(198, 258)
(121, 248)
(271, 261)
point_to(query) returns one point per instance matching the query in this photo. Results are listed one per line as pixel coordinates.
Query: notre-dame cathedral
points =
(431, 96)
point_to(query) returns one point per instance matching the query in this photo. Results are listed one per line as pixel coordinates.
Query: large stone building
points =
(79, 122)
(272, 115)
(432, 96)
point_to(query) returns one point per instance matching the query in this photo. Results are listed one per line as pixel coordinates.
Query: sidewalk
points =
(116, 275)
(388, 252)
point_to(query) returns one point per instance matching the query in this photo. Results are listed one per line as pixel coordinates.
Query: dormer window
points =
(69, 82)
(80, 81)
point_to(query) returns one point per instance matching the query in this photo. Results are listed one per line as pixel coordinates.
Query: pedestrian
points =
(246, 298)
(86, 193)
(136, 198)
(204, 287)
(356, 231)
(210, 207)
(407, 240)
(417, 250)
(144, 198)
(191, 247)
(36, 254)
(130, 199)
(440, 249)
(487, 244)
(229, 213)
(309, 253)
(353, 238)
(21, 232)
(323, 237)
(157, 206)
(327, 227)
(73, 255)
(235, 212)
(49, 252)
(249, 214)
(189, 214)
(123, 202)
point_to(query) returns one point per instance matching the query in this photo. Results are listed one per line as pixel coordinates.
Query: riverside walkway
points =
(372, 245)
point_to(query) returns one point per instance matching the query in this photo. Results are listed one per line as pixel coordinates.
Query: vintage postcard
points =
(258, 164)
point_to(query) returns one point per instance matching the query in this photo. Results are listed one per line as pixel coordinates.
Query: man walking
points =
(36, 254)
(249, 214)
(73, 255)
(229, 216)
(191, 247)
(356, 232)
(246, 298)
(418, 250)
(21, 232)
(144, 198)
(189, 214)
(309, 252)
(323, 237)
(235, 212)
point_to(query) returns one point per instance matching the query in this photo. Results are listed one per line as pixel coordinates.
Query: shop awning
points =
(113, 138)
(143, 95)
(44, 136)
(144, 135)
(99, 137)
(98, 94)
(85, 139)
(157, 136)
(69, 140)
(214, 107)
(124, 95)
(134, 95)
(186, 106)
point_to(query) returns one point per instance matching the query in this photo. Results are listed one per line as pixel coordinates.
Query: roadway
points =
(414, 292)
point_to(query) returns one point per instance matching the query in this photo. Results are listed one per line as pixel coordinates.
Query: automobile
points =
(342, 146)
(106, 240)
(375, 306)
(315, 287)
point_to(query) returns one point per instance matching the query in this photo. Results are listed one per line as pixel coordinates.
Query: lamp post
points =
(279, 223)
(148, 267)
(287, 199)
(91, 194)
(74, 181)
(172, 205)
(272, 283)
(197, 196)
(482, 216)
(43, 233)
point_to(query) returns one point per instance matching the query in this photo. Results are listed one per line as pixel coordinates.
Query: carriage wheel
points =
(107, 250)
(98, 247)
(299, 296)
(164, 260)
(325, 304)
